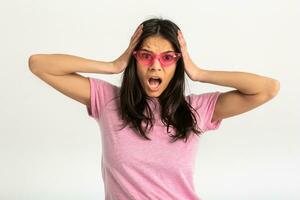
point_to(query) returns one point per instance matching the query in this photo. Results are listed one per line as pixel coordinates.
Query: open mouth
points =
(154, 83)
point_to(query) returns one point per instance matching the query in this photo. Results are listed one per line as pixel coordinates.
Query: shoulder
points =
(101, 82)
(103, 86)
(203, 98)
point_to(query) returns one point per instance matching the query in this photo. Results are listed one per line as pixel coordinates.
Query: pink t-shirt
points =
(134, 168)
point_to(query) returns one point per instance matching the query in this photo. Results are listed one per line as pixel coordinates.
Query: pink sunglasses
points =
(147, 58)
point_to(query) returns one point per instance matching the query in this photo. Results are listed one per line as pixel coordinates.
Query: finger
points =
(133, 44)
(137, 31)
(139, 27)
(181, 39)
(136, 36)
(181, 35)
(134, 41)
(181, 42)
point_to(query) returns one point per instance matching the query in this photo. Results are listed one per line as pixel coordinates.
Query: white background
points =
(51, 149)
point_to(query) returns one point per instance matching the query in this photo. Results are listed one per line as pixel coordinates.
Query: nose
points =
(156, 65)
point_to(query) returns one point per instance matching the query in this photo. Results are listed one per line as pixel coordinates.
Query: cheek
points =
(170, 73)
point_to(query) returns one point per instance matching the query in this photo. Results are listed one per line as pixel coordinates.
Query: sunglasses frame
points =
(156, 56)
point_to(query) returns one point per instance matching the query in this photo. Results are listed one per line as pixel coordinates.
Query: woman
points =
(139, 160)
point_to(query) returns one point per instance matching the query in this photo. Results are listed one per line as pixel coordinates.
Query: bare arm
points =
(252, 90)
(60, 70)
(62, 64)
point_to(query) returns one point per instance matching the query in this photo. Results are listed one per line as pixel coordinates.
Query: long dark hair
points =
(175, 110)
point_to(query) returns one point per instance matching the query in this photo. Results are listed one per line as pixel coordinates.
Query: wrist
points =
(202, 75)
(114, 67)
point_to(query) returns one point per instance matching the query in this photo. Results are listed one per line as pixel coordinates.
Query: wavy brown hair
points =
(175, 110)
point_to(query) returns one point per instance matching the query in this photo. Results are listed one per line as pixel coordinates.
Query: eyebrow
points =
(152, 51)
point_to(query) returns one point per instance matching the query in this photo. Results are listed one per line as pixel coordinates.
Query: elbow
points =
(33, 62)
(273, 88)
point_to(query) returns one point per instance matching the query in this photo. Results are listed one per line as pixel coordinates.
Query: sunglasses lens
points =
(146, 58)
(168, 59)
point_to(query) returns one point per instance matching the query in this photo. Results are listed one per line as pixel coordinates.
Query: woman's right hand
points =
(121, 63)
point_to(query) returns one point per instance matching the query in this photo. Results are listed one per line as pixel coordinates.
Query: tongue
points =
(154, 83)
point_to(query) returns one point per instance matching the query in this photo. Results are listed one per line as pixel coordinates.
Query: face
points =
(156, 45)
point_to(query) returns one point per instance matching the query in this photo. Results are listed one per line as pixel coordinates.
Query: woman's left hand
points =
(190, 68)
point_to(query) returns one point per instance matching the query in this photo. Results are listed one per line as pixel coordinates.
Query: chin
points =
(154, 93)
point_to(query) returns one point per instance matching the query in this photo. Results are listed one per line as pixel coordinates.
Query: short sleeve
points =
(205, 104)
(100, 93)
